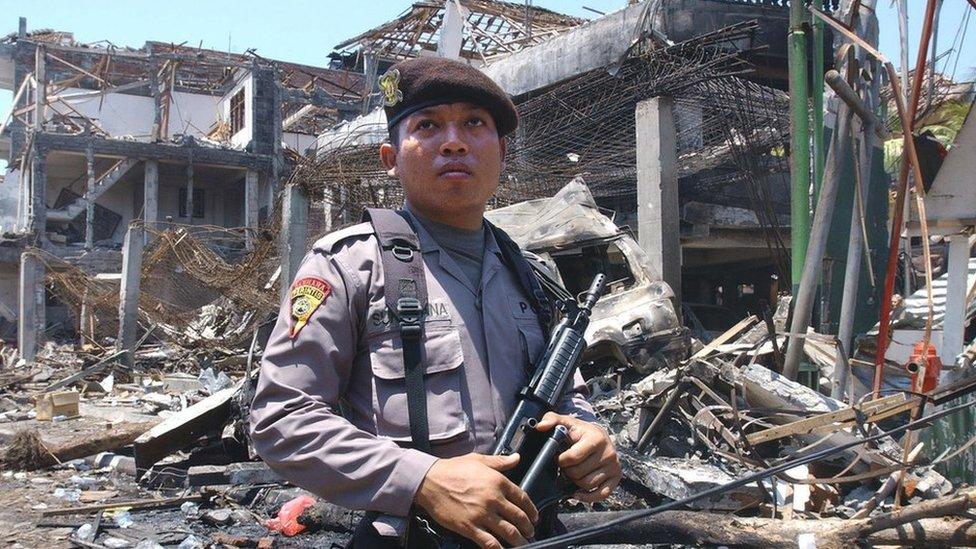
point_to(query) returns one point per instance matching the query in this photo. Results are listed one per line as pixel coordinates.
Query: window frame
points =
(237, 112)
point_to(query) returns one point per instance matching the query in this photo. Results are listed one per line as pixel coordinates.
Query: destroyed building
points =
(100, 136)
(158, 200)
(725, 205)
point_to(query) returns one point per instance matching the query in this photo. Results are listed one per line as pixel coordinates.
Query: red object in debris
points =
(287, 520)
(930, 361)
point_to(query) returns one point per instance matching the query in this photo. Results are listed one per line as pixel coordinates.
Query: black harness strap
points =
(406, 298)
(527, 277)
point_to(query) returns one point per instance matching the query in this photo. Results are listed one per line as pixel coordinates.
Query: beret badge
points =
(390, 86)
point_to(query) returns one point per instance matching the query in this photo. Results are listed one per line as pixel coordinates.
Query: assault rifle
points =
(536, 472)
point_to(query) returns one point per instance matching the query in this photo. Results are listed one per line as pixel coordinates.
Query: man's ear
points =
(502, 150)
(388, 157)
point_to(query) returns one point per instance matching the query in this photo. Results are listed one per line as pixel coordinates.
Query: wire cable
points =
(575, 537)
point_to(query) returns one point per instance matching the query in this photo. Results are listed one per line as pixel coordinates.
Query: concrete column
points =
(451, 38)
(953, 327)
(31, 318)
(83, 318)
(270, 193)
(37, 208)
(294, 233)
(129, 291)
(370, 66)
(344, 213)
(156, 96)
(657, 190)
(250, 207)
(150, 194)
(89, 200)
(189, 190)
(328, 205)
(40, 95)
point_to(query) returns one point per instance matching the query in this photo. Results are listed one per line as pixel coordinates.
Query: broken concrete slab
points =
(183, 429)
(677, 478)
(256, 472)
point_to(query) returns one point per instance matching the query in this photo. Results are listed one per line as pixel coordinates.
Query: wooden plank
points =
(17, 97)
(726, 337)
(78, 376)
(872, 411)
(809, 424)
(75, 67)
(134, 505)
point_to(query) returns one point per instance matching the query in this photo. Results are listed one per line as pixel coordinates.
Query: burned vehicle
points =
(634, 325)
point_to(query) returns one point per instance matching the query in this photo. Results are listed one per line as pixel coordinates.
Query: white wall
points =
(132, 115)
(9, 280)
(246, 82)
(10, 196)
(299, 141)
(223, 201)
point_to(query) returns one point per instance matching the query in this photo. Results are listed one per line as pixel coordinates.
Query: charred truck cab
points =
(634, 324)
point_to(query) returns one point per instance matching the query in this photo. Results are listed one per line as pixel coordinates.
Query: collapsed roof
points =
(490, 29)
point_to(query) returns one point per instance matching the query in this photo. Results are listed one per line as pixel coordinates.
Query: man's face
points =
(449, 160)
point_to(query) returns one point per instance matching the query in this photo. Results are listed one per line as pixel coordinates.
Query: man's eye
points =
(425, 124)
(476, 122)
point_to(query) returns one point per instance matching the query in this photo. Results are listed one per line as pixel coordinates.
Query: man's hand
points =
(469, 495)
(591, 462)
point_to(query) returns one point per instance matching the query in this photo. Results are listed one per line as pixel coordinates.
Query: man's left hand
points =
(591, 461)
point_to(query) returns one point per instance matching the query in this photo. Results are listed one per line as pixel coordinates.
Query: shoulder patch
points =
(307, 294)
(328, 242)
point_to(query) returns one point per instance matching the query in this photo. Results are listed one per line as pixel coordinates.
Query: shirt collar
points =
(428, 244)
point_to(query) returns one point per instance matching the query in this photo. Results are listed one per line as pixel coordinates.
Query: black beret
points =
(423, 82)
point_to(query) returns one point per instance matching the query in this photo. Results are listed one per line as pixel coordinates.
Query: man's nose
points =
(453, 143)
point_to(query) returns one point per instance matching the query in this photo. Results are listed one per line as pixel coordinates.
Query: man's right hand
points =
(470, 496)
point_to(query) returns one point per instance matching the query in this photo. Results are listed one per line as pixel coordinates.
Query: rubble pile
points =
(103, 454)
(158, 456)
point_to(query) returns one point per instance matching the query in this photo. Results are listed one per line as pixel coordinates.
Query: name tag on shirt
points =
(380, 318)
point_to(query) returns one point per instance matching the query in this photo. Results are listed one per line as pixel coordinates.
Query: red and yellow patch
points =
(306, 296)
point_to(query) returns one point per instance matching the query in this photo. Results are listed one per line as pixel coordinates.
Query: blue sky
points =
(292, 30)
(305, 32)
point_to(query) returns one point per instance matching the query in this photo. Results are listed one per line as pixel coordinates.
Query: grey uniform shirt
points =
(330, 411)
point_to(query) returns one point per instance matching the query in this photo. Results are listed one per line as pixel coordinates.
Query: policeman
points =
(331, 413)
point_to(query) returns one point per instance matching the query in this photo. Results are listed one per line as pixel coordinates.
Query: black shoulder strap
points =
(527, 278)
(406, 298)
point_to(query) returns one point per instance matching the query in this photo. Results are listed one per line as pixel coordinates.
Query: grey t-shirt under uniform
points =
(467, 248)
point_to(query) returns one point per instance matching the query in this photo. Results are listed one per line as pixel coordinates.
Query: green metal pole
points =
(799, 143)
(818, 107)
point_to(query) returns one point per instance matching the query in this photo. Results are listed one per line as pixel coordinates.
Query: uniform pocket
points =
(533, 344)
(442, 359)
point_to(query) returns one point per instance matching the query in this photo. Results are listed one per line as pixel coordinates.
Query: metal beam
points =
(318, 98)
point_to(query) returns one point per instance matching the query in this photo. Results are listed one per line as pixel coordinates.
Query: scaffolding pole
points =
(799, 143)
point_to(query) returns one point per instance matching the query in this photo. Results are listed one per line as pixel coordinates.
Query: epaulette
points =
(329, 242)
